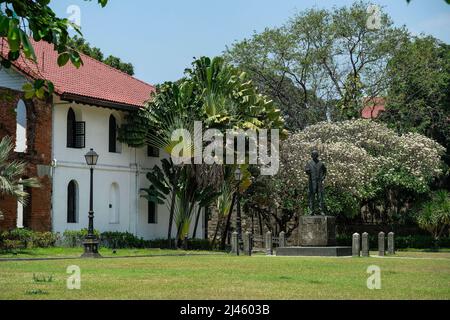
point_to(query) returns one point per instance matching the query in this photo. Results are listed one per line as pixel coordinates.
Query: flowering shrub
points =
(364, 158)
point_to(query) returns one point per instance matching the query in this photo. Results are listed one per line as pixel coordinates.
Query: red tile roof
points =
(373, 107)
(94, 82)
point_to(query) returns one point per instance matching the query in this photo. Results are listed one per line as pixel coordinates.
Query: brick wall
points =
(37, 214)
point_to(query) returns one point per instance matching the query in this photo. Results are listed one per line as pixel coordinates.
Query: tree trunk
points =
(206, 217)
(227, 225)
(196, 222)
(260, 224)
(216, 232)
(172, 212)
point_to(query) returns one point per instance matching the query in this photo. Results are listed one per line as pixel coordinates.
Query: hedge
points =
(23, 238)
(401, 242)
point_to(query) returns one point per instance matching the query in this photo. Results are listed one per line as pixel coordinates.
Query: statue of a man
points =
(316, 171)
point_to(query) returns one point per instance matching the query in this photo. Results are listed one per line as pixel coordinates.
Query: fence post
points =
(185, 242)
(282, 239)
(269, 246)
(234, 243)
(381, 240)
(391, 245)
(355, 245)
(248, 243)
(365, 244)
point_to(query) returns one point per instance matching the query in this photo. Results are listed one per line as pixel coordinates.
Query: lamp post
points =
(91, 242)
(238, 178)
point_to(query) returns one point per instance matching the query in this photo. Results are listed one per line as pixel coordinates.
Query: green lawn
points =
(410, 275)
(60, 252)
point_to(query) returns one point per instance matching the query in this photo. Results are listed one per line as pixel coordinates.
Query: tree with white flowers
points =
(366, 161)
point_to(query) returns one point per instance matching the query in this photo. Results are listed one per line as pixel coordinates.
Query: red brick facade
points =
(37, 214)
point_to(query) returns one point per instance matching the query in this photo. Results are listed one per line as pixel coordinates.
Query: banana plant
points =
(164, 183)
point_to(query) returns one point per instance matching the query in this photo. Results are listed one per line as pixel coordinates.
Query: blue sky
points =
(161, 37)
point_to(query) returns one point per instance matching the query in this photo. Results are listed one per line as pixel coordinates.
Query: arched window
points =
(152, 212)
(71, 124)
(72, 202)
(19, 223)
(21, 127)
(114, 204)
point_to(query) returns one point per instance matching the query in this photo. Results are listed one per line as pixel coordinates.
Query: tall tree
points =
(418, 98)
(220, 96)
(19, 18)
(81, 45)
(327, 58)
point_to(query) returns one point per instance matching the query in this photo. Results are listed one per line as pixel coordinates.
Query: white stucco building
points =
(88, 106)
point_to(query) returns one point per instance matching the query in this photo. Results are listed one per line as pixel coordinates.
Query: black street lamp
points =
(91, 242)
(238, 178)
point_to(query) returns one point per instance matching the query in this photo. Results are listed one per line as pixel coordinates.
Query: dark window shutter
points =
(71, 202)
(151, 212)
(71, 129)
(152, 152)
(80, 134)
(112, 134)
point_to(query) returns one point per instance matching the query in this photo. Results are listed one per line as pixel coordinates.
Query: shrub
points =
(401, 242)
(121, 240)
(75, 238)
(11, 245)
(434, 215)
(199, 244)
(24, 238)
(161, 243)
(43, 239)
(365, 159)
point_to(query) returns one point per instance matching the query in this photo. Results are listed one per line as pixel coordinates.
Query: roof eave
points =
(98, 102)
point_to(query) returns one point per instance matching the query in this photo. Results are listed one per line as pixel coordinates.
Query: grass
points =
(60, 252)
(221, 276)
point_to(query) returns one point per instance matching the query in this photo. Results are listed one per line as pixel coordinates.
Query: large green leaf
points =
(14, 35)
(63, 58)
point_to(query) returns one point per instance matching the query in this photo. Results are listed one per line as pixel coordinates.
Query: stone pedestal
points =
(315, 251)
(91, 249)
(317, 231)
(317, 237)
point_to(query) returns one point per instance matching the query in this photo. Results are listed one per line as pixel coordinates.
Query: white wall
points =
(11, 79)
(117, 168)
(21, 127)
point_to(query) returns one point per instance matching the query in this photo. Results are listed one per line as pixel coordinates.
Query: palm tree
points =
(11, 172)
(220, 96)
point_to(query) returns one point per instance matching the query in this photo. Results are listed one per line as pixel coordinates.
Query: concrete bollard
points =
(282, 239)
(381, 247)
(355, 245)
(234, 243)
(185, 243)
(248, 244)
(391, 244)
(269, 247)
(365, 244)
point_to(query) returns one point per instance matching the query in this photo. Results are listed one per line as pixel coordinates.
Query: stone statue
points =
(316, 171)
